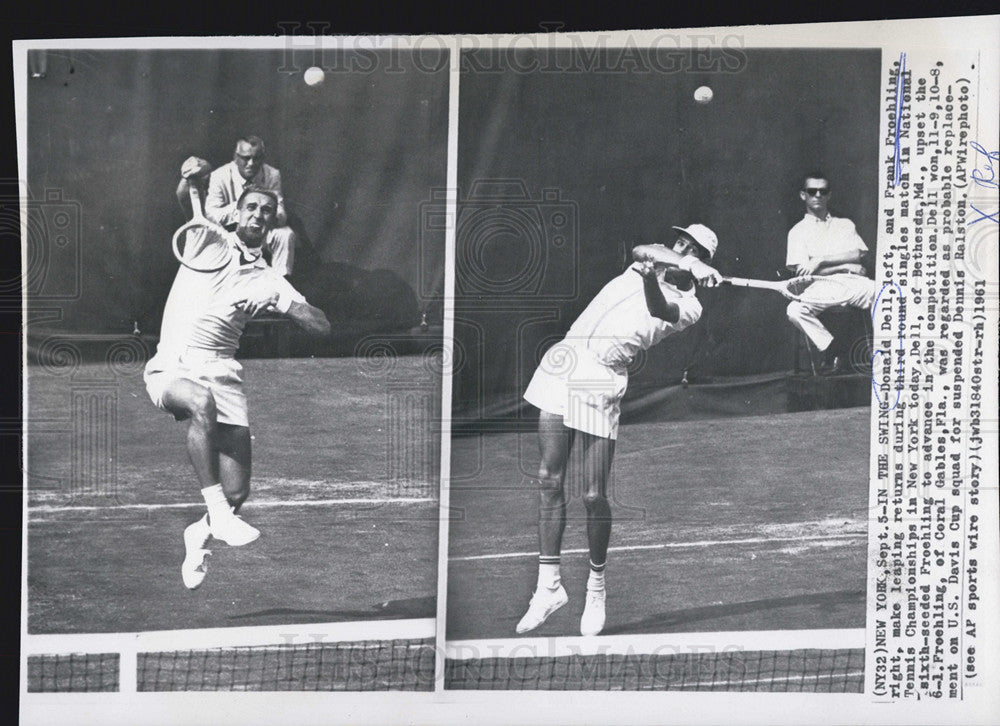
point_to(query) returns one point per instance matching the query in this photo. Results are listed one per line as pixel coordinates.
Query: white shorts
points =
(220, 375)
(570, 382)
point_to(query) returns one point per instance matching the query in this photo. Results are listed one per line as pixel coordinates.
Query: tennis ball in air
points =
(703, 94)
(313, 76)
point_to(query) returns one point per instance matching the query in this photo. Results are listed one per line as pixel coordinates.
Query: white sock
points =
(215, 499)
(596, 580)
(548, 576)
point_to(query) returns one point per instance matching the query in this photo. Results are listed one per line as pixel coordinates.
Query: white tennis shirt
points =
(616, 325)
(200, 310)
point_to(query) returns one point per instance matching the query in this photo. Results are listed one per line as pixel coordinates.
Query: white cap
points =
(703, 236)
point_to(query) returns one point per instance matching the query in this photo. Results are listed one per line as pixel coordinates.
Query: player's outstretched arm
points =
(193, 171)
(659, 255)
(309, 318)
(656, 303)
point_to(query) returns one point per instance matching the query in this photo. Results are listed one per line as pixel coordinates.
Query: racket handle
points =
(195, 200)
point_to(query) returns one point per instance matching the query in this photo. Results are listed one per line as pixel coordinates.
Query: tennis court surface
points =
(345, 498)
(722, 527)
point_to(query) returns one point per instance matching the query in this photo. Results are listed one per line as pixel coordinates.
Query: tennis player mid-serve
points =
(578, 388)
(194, 374)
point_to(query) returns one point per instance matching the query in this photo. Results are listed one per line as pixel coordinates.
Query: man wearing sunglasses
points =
(820, 245)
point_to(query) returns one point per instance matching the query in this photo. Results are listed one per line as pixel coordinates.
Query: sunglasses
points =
(815, 191)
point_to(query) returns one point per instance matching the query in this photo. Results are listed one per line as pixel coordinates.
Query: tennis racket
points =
(200, 257)
(831, 290)
(789, 288)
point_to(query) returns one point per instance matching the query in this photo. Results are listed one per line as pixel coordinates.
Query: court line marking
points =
(676, 545)
(56, 508)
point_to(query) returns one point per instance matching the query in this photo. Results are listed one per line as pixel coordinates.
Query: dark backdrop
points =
(108, 131)
(624, 152)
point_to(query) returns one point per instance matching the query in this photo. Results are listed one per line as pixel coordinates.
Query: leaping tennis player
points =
(578, 388)
(194, 374)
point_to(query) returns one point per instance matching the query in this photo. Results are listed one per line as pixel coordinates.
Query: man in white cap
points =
(578, 388)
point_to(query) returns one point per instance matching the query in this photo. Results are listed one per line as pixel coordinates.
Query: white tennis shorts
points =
(220, 375)
(570, 382)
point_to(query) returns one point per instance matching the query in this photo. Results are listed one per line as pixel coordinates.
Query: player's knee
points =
(594, 501)
(549, 477)
(549, 486)
(203, 411)
(795, 310)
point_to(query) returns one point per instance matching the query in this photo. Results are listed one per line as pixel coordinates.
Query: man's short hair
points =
(252, 140)
(252, 189)
(815, 174)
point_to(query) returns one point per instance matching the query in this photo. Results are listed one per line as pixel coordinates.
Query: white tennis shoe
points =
(233, 530)
(543, 603)
(195, 567)
(592, 621)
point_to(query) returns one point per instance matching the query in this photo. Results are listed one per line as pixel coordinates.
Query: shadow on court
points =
(662, 622)
(346, 504)
(417, 607)
(753, 523)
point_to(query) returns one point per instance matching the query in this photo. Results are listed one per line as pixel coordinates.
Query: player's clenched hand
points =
(706, 275)
(194, 167)
(257, 302)
(646, 268)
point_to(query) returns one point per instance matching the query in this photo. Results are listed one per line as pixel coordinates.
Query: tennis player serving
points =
(578, 388)
(194, 374)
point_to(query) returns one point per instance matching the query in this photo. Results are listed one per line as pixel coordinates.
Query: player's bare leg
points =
(234, 454)
(555, 440)
(188, 400)
(234, 463)
(598, 454)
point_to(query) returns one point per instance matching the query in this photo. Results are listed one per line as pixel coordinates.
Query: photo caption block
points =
(934, 320)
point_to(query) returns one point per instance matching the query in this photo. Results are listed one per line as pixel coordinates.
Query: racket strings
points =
(200, 245)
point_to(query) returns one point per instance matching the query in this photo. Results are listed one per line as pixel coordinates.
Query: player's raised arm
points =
(193, 171)
(704, 273)
(656, 303)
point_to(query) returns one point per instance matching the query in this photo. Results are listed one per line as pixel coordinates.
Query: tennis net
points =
(393, 655)
(810, 661)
